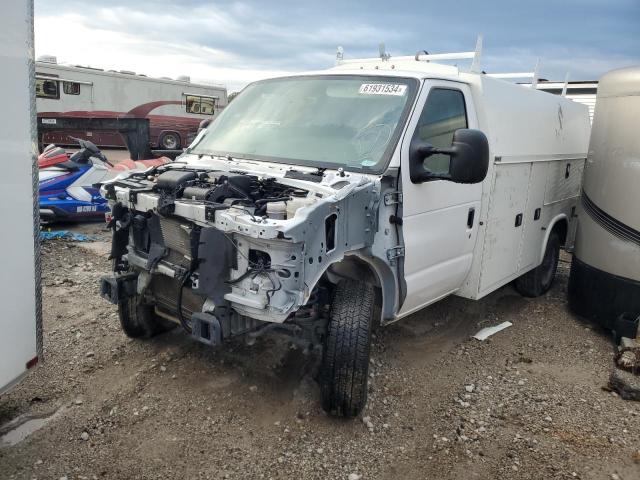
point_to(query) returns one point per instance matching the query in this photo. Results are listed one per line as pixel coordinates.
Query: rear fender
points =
(552, 224)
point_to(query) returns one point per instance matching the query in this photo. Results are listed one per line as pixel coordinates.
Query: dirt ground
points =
(528, 403)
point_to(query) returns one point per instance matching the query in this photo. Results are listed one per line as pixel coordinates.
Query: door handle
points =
(518, 220)
(470, 217)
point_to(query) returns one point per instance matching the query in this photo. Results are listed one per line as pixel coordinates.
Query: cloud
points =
(235, 42)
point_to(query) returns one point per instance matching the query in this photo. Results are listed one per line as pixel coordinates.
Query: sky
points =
(236, 42)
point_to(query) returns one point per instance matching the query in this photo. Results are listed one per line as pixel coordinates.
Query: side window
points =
(193, 104)
(47, 89)
(199, 105)
(206, 106)
(444, 113)
(71, 88)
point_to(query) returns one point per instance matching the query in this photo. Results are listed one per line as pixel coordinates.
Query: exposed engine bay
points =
(224, 250)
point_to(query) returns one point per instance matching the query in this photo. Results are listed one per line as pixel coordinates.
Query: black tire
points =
(538, 281)
(138, 320)
(345, 360)
(169, 141)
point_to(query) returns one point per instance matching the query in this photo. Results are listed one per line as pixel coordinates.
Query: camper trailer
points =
(20, 322)
(329, 203)
(174, 108)
(605, 273)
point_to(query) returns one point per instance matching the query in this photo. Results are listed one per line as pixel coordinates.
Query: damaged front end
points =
(225, 250)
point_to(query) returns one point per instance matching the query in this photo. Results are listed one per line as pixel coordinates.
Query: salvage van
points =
(20, 322)
(325, 204)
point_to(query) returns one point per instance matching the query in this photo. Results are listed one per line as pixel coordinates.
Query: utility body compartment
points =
(538, 149)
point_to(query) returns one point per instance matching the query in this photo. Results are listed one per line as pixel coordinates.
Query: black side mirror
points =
(469, 153)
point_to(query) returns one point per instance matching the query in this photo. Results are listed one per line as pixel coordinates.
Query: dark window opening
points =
(71, 88)
(47, 89)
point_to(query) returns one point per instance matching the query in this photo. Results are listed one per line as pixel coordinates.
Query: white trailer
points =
(20, 322)
(175, 108)
(604, 285)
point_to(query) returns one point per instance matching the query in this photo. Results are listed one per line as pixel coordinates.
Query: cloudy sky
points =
(236, 42)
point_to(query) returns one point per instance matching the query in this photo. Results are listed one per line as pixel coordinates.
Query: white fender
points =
(552, 223)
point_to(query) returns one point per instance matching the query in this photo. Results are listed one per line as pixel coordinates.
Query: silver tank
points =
(605, 273)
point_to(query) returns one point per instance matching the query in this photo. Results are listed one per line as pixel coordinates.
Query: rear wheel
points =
(170, 141)
(538, 281)
(345, 360)
(138, 320)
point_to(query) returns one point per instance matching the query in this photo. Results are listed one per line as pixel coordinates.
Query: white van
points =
(327, 203)
(20, 326)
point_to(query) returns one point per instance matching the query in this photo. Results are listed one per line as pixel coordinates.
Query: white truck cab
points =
(328, 203)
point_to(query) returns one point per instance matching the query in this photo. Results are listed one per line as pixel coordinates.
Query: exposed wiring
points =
(270, 292)
(256, 269)
(181, 318)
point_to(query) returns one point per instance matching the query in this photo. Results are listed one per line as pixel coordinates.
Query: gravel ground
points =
(528, 403)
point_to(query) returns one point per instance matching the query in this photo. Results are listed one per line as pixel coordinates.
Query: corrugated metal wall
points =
(588, 100)
(581, 92)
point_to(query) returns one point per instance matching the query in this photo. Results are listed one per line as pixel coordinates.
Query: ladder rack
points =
(532, 75)
(421, 56)
(424, 56)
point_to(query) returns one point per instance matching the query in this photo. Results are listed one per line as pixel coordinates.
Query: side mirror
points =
(469, 154)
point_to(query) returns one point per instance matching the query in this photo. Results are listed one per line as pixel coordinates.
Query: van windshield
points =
(326, 121)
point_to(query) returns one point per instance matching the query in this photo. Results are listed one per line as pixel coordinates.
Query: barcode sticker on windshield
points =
(383, 89)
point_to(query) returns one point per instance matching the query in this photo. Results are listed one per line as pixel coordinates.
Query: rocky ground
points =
(528, 403)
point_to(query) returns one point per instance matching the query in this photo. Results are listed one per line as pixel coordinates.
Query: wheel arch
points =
(370, 270)
(560, 224)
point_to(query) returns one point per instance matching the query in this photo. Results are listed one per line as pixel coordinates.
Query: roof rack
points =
(566, 84)
(533, 75)
(421, 56)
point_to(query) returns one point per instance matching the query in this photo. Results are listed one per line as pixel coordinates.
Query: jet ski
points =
(69, 182)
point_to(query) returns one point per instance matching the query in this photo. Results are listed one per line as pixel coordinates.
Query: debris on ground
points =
(488, 331)
(625, 384)
(628, 357)
(442, 405)
(64, 235)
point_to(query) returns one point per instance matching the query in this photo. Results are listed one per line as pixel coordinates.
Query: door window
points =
(444, 112)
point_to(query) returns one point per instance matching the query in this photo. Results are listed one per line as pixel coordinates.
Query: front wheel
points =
(538, 281)
(138, 320)
(345, 360)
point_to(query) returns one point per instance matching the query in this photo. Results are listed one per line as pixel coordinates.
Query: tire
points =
(170, 141)
(345, 360)
(538, 281)
(138, 320)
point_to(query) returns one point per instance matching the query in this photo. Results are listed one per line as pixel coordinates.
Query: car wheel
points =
(345, 361)
(138, 320)
(170, 141)
(538, 281)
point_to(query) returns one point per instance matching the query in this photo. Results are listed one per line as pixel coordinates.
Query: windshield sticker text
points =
(382, 89)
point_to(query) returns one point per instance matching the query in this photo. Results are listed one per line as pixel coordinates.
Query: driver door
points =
(440, 217)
